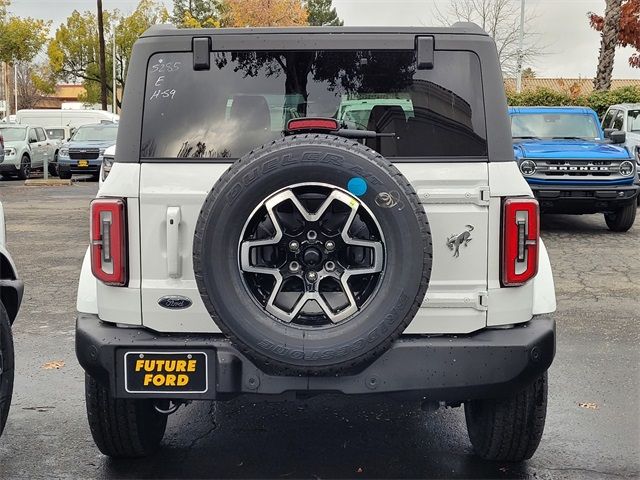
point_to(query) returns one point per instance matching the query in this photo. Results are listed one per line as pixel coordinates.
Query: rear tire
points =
(621, 220)
(122, 428)
(25, 168)
(7, 366)
(508, 429)
(64, 173)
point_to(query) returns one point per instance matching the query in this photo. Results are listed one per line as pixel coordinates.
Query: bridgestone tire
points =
(508, 429)
(623, 219)
(341, 347)
(122, 428)
(7, 367)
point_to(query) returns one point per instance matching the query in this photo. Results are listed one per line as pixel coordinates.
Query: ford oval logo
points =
(175, 302)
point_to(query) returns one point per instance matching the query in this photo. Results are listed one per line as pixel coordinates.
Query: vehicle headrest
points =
(252, 111)
(382, 115)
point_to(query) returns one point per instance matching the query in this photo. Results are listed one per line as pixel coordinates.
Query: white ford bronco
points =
(294, 212)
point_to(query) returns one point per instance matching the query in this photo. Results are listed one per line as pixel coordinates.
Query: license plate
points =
(83, 163)
(166, 372)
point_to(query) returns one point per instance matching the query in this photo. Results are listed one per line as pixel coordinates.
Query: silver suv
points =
(26, 148)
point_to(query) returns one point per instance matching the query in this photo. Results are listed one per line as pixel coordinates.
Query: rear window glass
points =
(56, 133)
(247, 98)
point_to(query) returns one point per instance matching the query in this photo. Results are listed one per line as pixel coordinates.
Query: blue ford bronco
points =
(573, 166)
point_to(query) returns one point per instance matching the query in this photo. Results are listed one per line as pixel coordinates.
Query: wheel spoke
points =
(278, 301)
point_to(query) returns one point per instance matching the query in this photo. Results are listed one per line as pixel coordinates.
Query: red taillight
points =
(311, 124)
(108, 241)
(520, 240)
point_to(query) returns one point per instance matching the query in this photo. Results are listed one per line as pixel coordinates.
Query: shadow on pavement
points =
(328, 437)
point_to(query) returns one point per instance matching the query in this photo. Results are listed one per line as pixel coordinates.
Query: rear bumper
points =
(584, 199)
(488, 363)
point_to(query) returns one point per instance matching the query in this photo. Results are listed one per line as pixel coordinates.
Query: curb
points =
(52, 182)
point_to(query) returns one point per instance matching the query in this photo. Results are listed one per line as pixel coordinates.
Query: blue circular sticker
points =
(357, 186)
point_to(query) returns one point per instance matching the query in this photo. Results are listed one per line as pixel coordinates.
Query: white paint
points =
(544, 292)
(87, 298)
(454, 195)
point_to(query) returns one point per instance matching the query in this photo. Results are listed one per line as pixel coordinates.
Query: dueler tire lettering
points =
(349, 344)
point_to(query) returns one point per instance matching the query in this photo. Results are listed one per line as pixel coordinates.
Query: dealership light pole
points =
(520, 49)
(15, 84)
(114, 94)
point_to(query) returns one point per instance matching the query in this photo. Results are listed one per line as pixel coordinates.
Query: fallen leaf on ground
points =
(588, 405)
(56, 364)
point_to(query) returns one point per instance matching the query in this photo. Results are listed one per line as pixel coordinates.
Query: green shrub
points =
(599, 101)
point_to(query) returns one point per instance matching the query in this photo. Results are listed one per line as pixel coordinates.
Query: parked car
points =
(11, 290)
(108, 157)
(281, 258)
(26, 148)
(626, 118)
(63, 117)
(570, 165)
(83, 152)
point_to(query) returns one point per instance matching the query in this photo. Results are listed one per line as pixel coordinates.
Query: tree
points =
(321, 14)
(198, 13)
(628, 28)
(21, 38)
(265, 13)
(34, 82)
(129, 29)
(608, 41)
(501, 20)
(529, 73)
(74, 51)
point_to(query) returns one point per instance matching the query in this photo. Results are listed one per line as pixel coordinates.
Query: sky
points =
(571, 47)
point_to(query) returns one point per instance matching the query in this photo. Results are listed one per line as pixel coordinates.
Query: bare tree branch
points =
(501, 20)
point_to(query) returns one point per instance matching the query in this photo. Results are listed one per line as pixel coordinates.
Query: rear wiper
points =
(355, 133)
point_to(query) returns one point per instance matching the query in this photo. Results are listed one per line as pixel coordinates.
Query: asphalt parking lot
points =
(593, 424)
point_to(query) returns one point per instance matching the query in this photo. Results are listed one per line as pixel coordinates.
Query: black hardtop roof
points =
(459, 28)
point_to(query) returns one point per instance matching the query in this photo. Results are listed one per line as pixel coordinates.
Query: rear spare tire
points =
(312, 254)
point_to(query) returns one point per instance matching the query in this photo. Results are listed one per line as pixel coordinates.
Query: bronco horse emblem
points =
(455, 241)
